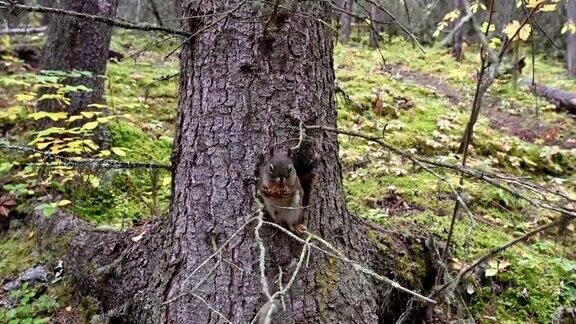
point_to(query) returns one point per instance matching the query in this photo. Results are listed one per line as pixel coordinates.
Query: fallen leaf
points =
(490, 272)
(138, 237)
(470, 288)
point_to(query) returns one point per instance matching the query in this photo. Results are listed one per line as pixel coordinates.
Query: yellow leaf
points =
(104, 153)
(42, 146)
(534, 3)
(452, 15)
(74, 118)
(90, 144)
(494, 42)
(525, 32)
(90, 114)
(52, 115)
(485, 27)
(548, 8)
(94, 181)
(493, 263)
(166, 181)
(90, 125)
(106, 119)
(118, 151)
(63, 202)
(95, 105)
(25, 96)
(512, 29)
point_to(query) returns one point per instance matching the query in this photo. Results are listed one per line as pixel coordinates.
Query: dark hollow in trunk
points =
(244, 88)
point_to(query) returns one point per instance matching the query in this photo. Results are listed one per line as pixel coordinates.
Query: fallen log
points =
(562, 99)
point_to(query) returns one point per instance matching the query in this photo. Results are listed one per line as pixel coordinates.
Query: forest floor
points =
(418, 101)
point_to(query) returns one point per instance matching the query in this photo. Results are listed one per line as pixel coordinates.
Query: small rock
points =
(33, 275)
(12, 285)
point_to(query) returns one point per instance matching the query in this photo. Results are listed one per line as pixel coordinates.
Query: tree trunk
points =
(82, 45)
(156, 13)
(346, 20)
(244, 89)
(375, 14)
(571, 39)
(241, 94)
(457, 37)
(12, 19)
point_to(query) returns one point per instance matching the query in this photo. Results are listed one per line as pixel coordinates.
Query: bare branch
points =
(491, 254)
(406, 30)
(471, 172)
(339, 255)
(83, 163)
(19, 31)
(108, 21)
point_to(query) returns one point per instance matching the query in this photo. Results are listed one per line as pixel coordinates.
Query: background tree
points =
(377, 15)
(458, 34)
(571, 38)
(82, 45)
(346, 20)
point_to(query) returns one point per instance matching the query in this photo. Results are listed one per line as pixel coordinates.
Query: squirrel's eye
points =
(271, 167)
(289, 168)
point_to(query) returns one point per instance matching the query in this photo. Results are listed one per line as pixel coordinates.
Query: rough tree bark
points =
(571, 39)
(375, 14)
(12, 19)
(82, 45)
(346, 20)
(244, 88)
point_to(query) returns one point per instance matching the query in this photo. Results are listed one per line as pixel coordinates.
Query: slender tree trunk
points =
(571, 39)
(375, 14)
(156, 13)
(82, 45)
(346, 20)
(458, 34)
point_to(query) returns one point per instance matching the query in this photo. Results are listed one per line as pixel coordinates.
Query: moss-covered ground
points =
(534, 279)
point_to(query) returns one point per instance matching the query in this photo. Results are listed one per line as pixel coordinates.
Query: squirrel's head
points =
(280, 167)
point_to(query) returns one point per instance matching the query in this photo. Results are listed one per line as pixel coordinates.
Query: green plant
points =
(31, 306)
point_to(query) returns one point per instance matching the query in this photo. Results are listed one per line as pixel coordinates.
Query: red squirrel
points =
(281, 191)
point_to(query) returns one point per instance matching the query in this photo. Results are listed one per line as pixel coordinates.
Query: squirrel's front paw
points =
(300, 228)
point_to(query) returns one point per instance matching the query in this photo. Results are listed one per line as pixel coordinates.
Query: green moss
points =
(140, 147)
(326, 282)
(17, 252)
